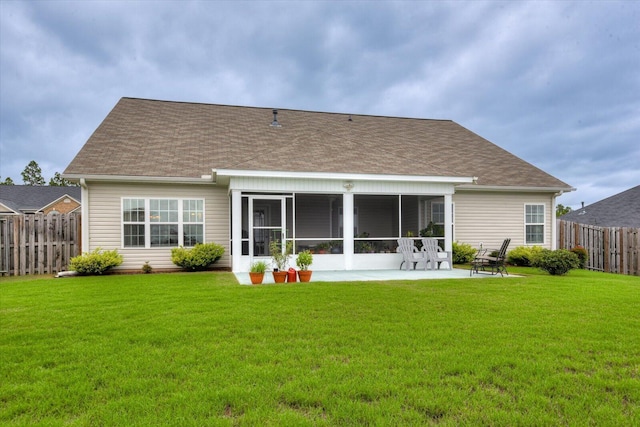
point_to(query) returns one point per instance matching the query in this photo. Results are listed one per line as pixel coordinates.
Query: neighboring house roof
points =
(34, 198)
(620, 210)
(148, 138)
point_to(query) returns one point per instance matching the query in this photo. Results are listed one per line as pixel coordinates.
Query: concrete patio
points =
(372, 275)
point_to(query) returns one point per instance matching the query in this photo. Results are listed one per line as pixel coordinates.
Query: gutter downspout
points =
(84, 193)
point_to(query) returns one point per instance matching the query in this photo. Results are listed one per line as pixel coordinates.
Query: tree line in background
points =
(32, 175)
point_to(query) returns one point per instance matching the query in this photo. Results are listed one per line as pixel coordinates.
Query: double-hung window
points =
(156, 223)
(133, 223)
(437, 213)
(534, 224)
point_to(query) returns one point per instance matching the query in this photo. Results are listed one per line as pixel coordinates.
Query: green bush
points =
(96, 262)
(463, 253)
(146, 268)
(582, 254)
(556, 262)
(201, 256)
(523, 256)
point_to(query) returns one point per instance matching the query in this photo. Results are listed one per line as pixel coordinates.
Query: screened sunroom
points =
(355, 228)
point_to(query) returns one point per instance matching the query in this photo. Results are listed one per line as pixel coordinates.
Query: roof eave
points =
(204, 179)
(508, 188)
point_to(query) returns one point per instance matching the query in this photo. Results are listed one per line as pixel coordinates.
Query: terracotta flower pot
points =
(279, 276)
(304, 275)
(256, 278)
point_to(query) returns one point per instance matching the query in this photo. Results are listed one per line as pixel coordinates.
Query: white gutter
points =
(342, 176)
(204, 179)
(515, 188)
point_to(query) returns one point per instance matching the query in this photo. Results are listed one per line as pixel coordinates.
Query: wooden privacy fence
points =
(38, 243)
(611, 249)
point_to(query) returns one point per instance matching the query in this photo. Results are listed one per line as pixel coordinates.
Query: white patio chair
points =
(411, 256)
(435, 254)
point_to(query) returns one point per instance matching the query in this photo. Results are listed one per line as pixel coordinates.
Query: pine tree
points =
(59, 181)
(32, 174)
(561, 210)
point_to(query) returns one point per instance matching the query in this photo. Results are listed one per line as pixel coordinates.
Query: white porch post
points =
(236, 230)
(554, 223)
(448, 222)
(347, 230)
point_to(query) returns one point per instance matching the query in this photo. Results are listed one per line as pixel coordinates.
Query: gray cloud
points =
(556, 83)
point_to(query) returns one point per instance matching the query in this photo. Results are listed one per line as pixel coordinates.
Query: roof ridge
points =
(287, 109)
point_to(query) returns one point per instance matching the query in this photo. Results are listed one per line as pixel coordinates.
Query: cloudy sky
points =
(557, 83)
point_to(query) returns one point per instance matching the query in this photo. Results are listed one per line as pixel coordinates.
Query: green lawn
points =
(198, 349)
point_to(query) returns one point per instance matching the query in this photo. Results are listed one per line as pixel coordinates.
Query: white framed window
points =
(437, 213)
(534, 224)
(133, 223)
(156, 223)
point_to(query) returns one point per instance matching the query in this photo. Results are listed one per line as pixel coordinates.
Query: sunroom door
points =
(267, 223)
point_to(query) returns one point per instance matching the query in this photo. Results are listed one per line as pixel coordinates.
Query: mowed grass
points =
(198, 349)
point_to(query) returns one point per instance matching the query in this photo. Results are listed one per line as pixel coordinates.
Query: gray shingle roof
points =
(175, 139)
(32, 198)
(620, 210)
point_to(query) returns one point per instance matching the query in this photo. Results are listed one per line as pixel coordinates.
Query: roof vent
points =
(275, 123)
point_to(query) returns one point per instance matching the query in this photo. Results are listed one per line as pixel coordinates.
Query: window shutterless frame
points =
(161, 222)
(534, 224)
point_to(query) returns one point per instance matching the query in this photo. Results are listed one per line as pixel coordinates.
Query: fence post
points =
(607, 253)
(623, 251)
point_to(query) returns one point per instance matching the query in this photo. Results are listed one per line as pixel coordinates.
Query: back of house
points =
(156, 175)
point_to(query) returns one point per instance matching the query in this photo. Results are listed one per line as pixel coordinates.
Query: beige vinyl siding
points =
(491, 217)
(105, 224)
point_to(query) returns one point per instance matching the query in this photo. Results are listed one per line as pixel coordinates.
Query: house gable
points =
(7, 206)
(63, 204)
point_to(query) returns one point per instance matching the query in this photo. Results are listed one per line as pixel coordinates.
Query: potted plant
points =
(303, 261)
(432, 230)
(280, 259)
(323, 247)
(257, 272)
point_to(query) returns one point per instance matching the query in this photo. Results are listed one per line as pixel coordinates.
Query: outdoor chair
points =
(411, 256)
(435, 254)
(493, 260)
